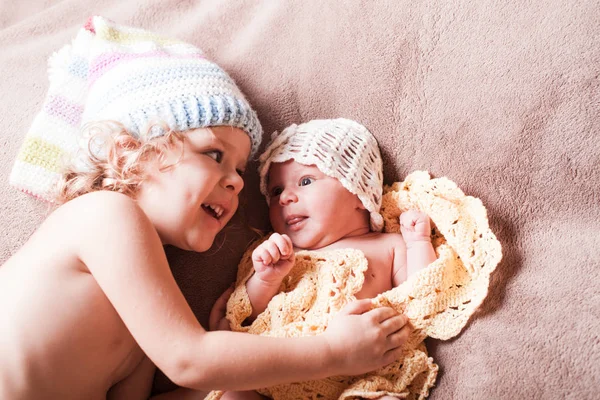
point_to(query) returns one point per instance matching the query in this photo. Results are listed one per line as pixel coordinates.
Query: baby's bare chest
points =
(380, 259)
(378, 276)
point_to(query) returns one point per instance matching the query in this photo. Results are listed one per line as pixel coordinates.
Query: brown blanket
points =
(501, 97)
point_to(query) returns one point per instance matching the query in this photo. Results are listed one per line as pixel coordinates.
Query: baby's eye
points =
(240, 172)
(216, 155)
(306, 181)
(276, 191)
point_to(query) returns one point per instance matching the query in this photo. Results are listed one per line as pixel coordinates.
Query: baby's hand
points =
(274, 258)
(415, 226)
(217, 320)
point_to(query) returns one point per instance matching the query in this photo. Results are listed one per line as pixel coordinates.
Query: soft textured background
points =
(502, 97)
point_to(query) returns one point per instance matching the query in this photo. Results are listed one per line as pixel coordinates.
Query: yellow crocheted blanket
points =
(438, 300)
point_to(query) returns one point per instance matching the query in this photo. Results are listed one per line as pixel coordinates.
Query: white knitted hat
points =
(341, 148)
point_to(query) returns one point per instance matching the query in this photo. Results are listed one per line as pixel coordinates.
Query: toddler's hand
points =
(362, 339)
(274, 258)
(415, 226)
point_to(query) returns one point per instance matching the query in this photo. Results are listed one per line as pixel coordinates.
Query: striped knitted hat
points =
(134, 77)
(342, 149)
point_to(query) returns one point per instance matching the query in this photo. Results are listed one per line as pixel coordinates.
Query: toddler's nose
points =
(233, 181)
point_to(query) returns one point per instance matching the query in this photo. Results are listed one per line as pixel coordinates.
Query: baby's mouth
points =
(214, 210)
(294, 221)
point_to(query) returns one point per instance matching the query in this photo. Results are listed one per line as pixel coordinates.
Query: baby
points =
(323, 182)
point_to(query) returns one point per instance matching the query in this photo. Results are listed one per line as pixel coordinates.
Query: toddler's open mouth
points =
(214, 210)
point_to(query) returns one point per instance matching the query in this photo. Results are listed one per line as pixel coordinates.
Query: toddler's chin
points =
(201, 244)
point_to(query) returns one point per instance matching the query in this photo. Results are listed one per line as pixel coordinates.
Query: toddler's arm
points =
(272, 261)
(415, 227)
(117, 244)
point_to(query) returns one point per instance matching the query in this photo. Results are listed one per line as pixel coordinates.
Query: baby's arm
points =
(127, 260)
(416, 231)
(272, 261)
(418, 251)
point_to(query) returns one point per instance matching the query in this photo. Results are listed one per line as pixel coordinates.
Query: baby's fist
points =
(274, 258)
(415, 226)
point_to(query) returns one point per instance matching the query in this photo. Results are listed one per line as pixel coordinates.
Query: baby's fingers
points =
(273, 250)
(283, 243)
(262, 255)
(407, 218)
(413, 217)
(289, 245)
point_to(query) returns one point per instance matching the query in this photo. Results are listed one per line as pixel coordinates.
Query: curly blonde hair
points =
(120, 164)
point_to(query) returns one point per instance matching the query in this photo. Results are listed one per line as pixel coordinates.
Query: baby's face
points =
(313, 209)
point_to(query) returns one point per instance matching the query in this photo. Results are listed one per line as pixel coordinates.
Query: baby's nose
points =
(287, 196)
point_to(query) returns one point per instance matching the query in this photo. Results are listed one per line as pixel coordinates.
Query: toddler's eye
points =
(216, 155)
(276, 191)
(306, 181)
(240, 172)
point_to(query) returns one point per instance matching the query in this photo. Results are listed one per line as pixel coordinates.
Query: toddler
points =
(89, 304)
(323, 182)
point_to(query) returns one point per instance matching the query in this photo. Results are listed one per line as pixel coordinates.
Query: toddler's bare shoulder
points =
(103, 210)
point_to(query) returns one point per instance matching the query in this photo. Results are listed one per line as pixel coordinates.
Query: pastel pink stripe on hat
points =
(64, 109)
(107, 61)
